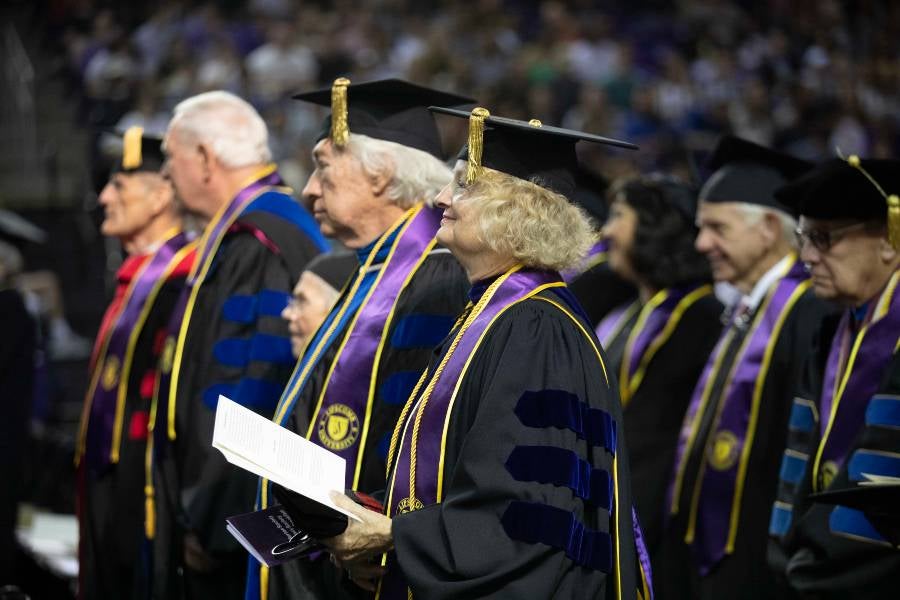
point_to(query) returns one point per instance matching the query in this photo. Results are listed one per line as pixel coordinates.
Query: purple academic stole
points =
(850, 381)
(344, 408)
(595, 256)
(101, 426)
(610, 326)
(713, 520)
(655, 324)
(167, 382)
(416, 478)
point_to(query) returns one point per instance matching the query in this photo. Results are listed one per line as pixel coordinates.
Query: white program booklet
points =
(264, 448)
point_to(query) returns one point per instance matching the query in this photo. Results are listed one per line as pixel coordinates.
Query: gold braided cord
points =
(476, 143)
(893, 201)
(401, 421)
(488, 294)
(340, 128)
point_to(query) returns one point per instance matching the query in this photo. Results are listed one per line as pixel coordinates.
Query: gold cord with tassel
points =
(340, 128)
(893, 201)
(476, 142)
(131, 148)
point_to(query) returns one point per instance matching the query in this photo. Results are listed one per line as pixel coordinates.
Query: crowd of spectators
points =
(801, 75)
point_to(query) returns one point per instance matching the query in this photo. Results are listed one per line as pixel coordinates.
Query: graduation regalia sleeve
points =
(238, 345)
(521, 493)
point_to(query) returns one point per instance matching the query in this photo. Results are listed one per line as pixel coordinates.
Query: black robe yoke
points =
(257, 265)
(112, 510)
(599, 290)
(744, 573)
(823, 555)
(469, 545)
(426, 310)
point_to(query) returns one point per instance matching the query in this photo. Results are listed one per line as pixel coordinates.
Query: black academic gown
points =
(112, 553)
(654, 414)
(16, 388)
(818, 562)
(599, 290)
(435, 295)
(744, 573)
(459, 548)
(262, 254)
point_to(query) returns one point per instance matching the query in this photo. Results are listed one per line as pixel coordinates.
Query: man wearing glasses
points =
(844, 428)
(733, 433)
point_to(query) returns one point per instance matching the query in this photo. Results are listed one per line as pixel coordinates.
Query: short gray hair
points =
(755, 213)
(416, 175)
(228, 124)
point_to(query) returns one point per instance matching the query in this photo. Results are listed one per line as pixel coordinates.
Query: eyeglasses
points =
(823, 239)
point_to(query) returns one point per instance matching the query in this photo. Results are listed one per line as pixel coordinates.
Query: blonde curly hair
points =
(537, 227)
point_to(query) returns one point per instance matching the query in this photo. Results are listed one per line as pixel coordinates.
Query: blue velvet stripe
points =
(563, 410)
(395, 390)
(240, 309)
(561, 467)
(257, 394)
(542, 524)
(852, 522)
(420, 331)
(874, 463)
(792, 468)
(239, 352)
(282, 205)
(232, 352)
(272, 302)
(802, 417)
(884, 411)
(780, 521)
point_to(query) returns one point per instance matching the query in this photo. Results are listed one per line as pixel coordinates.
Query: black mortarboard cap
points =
(747, 172)
(388, 109)
(137, 151)
(528, 150)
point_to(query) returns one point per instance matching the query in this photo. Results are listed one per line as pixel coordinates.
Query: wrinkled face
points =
(185, 167)
(312, 299)
(619, 232)
(341, 195)
(459, 230)
(126, 202)
(731, 241)
(844, 268)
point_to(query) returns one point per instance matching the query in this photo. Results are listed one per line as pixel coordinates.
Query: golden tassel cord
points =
(476, 143)
(340, 128)
(149, 514)
(893, 201)
(131, 150)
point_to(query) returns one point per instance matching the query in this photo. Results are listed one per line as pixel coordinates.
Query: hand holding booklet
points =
(264, 448)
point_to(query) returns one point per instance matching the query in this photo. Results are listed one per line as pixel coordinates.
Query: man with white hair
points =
(726, 463)
(227, 336)
(376, 176)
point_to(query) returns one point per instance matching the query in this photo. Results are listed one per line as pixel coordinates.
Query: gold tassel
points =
(131, 150)
(476, 142)
(893, 202)
(149, 513)
(340, 128)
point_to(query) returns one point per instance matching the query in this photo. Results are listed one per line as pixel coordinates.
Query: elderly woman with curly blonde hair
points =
(506, 474)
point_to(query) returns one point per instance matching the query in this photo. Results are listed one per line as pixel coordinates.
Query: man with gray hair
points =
(726, 463)
(376, 176)
(226, 337)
